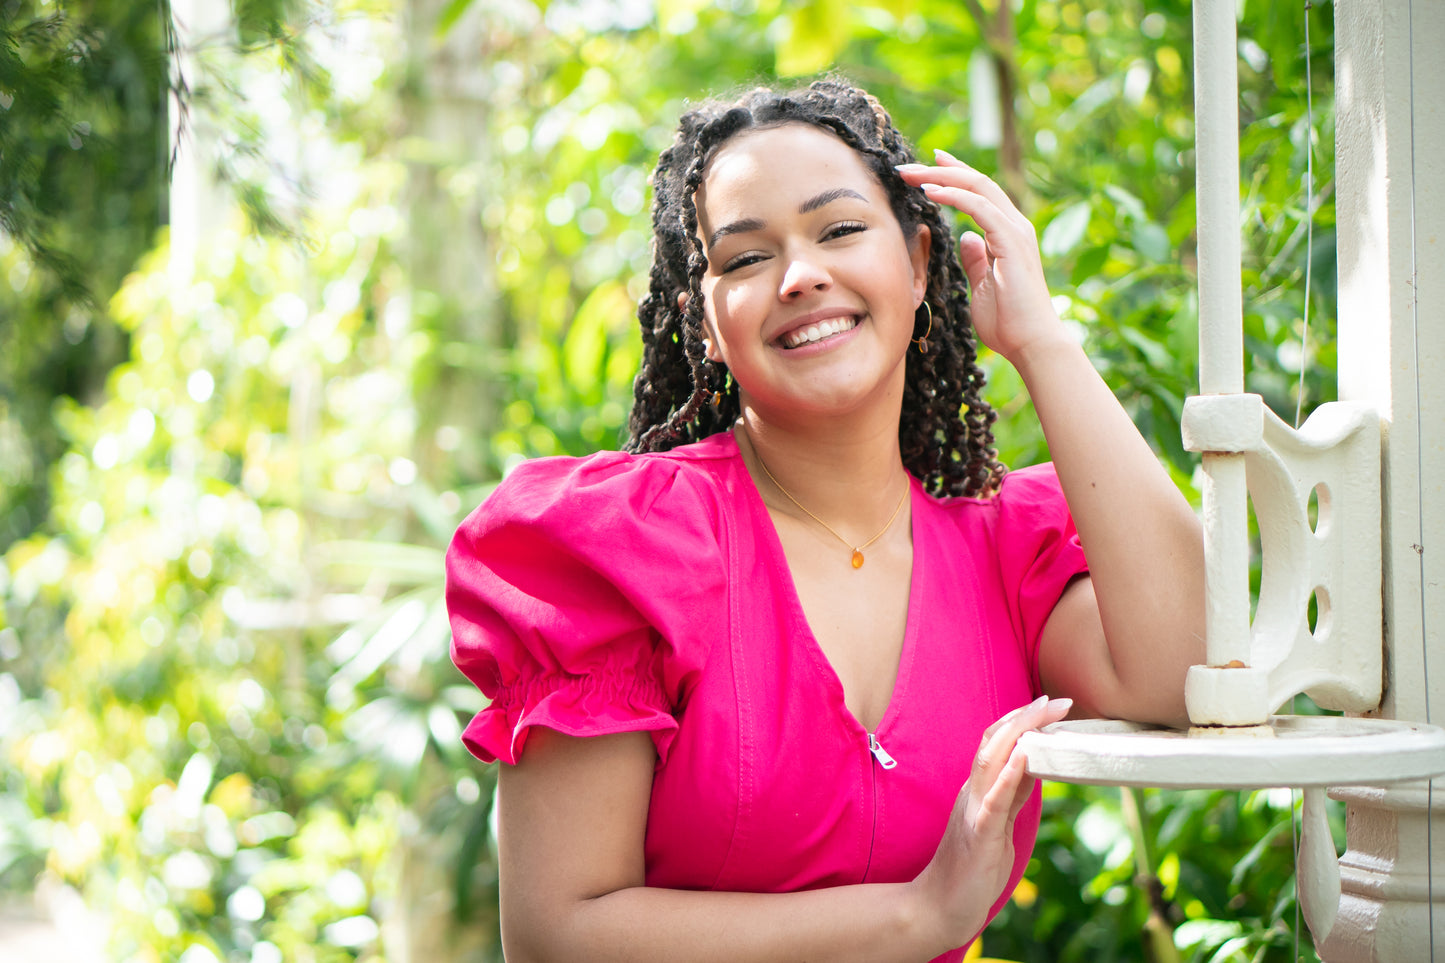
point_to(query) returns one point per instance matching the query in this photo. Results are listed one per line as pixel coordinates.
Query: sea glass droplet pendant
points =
(857, 558)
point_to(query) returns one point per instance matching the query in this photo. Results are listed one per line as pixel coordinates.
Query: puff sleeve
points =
(583, 595)
(1039, 551)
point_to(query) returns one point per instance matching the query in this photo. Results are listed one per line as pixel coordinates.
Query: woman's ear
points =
(709, 346)
(918, 249)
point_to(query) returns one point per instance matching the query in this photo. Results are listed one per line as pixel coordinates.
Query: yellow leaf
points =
(973, 954)
(233, 795)
(668, 9)
(815, 32)
(1169, 874)
(1025, 893)
(586, 342)
(899, 8)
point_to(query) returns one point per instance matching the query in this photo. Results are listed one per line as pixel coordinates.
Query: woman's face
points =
(811, 285)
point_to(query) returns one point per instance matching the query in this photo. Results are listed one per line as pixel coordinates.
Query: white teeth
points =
(816, 332)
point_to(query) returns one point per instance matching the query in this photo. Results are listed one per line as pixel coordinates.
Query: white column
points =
(1390, 168)
(1221, 337)
(1216, 119)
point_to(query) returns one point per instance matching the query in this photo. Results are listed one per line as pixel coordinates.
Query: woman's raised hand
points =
(1010, 305)
(976, 855)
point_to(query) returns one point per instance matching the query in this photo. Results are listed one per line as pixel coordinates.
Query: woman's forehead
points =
(763, 165)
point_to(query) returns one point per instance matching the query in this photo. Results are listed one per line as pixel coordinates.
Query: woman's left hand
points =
(975, 857)
(1009, 305)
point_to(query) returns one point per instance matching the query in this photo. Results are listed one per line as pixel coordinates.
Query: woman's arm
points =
(571, 820)
(1123, 638)
(1120, 641)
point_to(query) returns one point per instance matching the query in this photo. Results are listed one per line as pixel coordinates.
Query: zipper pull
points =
(879, 753)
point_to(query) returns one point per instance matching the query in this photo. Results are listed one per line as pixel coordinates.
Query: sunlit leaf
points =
(1066, 230)
(400, 563)
(815, 33)
(584, 350)
(1150, 240)
(405, 616)
(451, 13)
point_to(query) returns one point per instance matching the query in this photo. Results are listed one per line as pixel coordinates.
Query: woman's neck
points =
(846, 472)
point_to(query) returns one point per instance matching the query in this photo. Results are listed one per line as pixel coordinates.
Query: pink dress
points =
(627, 592)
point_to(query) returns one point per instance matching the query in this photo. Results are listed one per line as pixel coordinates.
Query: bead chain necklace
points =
(857, 549)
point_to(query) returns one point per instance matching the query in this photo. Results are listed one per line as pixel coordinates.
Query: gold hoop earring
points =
(923, 341)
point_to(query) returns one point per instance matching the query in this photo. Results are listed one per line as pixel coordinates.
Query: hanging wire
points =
(1303, 365)
(1304, 342)
(1419, 545)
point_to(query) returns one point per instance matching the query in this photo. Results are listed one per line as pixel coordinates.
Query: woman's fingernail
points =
(1064, 704)
(909, 167)
(942, 154)
(1041, 700)
(927, 188)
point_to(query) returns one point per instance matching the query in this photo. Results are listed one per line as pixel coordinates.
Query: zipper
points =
(879, 753)
(884, 761)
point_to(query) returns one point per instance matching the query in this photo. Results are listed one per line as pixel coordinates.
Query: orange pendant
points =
(857, 559)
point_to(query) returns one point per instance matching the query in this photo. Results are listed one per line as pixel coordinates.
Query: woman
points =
(745, 676)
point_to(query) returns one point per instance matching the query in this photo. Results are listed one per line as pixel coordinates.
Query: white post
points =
(1390, 168)
(1216, 119)
(1221, 338)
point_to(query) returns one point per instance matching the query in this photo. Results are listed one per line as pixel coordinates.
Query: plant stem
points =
(1158, 933)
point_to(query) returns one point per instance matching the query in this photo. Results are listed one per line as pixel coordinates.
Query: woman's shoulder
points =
(612, 490)
(1022, 491)
(1023, 517)
(585, 592)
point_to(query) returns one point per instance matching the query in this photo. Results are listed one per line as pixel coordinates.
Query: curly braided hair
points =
(945, 434)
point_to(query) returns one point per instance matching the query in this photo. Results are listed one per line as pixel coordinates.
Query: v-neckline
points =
(827, 672)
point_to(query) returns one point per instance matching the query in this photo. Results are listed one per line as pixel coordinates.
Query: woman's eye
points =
(741, 261)
(842, 230)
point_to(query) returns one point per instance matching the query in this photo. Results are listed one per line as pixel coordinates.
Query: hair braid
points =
(945, 434)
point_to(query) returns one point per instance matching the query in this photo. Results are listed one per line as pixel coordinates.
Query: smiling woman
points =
(811, 294)
(726, 735)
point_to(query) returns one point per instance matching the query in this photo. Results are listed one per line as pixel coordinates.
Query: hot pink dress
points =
(627, 592)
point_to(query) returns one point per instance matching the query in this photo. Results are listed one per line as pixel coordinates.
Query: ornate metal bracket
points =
(1251, 455)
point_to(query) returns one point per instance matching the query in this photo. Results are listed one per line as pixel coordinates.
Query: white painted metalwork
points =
(1334, 459)
(1308, 751)
(1341, 561)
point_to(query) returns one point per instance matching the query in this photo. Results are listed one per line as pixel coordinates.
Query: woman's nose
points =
(803, 275)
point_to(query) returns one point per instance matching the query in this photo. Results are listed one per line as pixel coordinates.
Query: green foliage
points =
(225, 771)
(82, 156)
(225, 704)
(1215, 867)
(86, 134)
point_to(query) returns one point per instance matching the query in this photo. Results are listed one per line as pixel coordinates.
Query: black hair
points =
(945, 434)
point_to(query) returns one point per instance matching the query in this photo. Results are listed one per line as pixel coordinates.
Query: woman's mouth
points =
(818, 331)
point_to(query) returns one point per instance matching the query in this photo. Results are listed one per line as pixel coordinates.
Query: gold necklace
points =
(857, 549)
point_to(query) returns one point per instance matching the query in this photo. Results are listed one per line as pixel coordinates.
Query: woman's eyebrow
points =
(828, 197)
(811, 204)
(736, 227)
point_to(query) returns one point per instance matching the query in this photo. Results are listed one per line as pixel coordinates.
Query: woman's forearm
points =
(572, 817)
(1143, 541)
(866, 923)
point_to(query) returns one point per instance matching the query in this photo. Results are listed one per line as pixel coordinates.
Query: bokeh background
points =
(286, 286)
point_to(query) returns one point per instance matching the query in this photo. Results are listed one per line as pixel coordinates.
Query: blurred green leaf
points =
(1066, 231)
